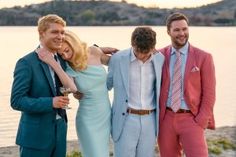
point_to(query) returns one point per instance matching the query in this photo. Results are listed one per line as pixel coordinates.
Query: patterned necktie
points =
(176, 84)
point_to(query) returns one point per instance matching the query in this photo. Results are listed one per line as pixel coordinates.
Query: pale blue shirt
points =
(184, 55)
(52, 72)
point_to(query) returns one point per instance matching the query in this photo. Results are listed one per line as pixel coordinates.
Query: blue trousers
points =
(138, 138)
(57, 149)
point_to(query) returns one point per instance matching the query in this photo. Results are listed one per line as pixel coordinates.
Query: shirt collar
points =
(133, 57)
(183, 50)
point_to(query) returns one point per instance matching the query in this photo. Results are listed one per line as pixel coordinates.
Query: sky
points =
(146, 3)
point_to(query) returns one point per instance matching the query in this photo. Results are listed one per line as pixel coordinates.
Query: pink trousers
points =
(179, 134)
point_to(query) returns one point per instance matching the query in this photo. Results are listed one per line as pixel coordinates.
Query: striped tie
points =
(177, 78)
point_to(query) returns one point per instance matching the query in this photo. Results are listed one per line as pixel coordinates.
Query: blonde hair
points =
(79, 59)
(43, 22)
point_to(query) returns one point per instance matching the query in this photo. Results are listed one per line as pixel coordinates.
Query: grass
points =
(79, 154)
(217, 146)
(74, 154)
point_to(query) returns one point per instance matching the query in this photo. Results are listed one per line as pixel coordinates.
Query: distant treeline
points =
(106, 13)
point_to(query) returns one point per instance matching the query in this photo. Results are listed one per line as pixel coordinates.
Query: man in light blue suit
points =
(135, 75)
(43, 124)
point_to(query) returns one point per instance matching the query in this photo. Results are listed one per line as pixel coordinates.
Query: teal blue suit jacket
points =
(118, 78)
(32, 94)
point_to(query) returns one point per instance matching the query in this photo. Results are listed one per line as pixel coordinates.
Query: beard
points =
(177, 43)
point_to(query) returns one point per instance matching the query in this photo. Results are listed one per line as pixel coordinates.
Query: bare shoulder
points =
(95, 55)
(95, 51)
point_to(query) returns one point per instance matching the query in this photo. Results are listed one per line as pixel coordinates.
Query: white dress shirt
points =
(141, 84)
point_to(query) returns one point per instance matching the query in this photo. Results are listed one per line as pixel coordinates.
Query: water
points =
(219, 41)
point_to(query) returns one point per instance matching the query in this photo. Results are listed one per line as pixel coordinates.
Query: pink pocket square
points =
(194, 69)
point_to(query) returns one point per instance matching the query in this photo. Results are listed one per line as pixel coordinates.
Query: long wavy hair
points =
(79, 59)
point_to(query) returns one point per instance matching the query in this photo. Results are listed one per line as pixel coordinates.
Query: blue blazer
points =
(118, 78)
(32, 94)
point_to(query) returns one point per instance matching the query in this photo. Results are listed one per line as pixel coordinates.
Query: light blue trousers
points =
(138, 138)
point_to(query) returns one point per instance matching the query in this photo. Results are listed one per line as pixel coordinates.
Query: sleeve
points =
(208, 92)
(110, 73)
(21, 88)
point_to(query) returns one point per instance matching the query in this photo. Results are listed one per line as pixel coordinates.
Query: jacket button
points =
(123, 113)
(126, 100)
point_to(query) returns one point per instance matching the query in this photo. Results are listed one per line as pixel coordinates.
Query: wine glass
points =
(65, 91)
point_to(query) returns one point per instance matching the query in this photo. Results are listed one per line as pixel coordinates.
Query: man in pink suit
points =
(187, 94)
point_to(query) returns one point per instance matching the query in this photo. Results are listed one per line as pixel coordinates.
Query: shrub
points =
(216, 146)
(74, 154)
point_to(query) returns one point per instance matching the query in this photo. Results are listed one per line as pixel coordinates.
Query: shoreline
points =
(228, 132)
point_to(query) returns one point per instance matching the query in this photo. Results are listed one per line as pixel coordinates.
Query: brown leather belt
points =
(179, 111)
(139, 112)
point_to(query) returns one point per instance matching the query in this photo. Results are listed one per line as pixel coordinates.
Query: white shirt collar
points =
(133, 57)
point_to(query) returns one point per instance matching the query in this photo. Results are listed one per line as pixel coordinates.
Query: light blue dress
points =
(93, 119)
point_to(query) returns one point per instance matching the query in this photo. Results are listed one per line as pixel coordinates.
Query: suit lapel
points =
(190, 63)
(167, 63)
(124, 66)
(48, 76)
(154, 65)
(62, 62)
(154, 62)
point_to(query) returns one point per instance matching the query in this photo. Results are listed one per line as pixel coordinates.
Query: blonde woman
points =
(89, 77)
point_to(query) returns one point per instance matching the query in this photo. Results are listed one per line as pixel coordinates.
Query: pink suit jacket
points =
(199, 85)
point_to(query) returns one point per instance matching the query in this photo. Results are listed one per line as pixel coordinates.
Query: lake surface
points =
(219, 41)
